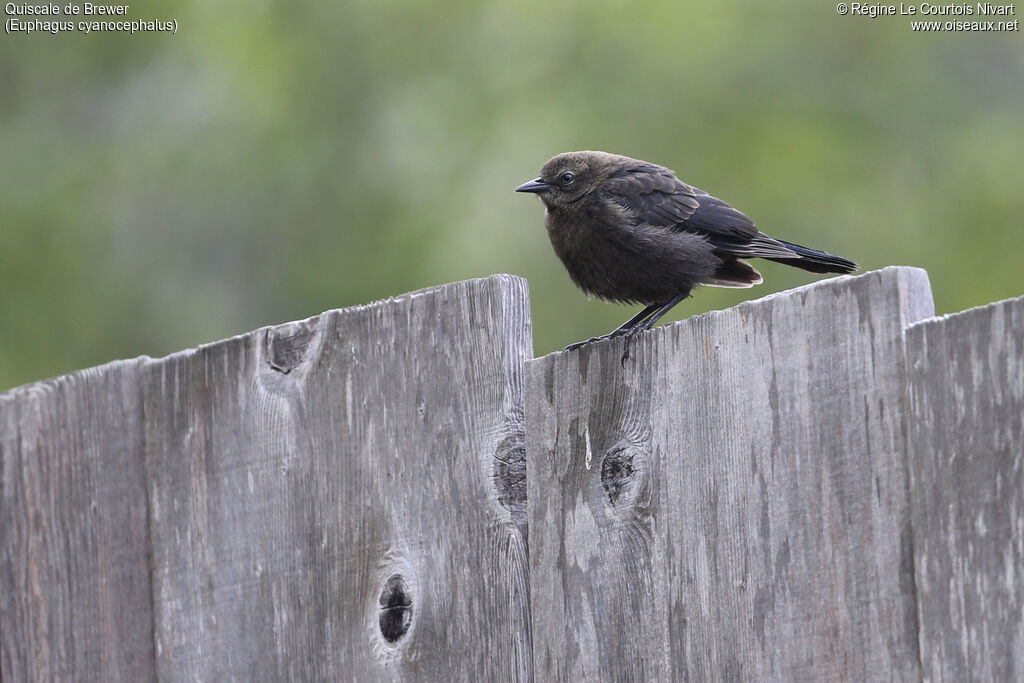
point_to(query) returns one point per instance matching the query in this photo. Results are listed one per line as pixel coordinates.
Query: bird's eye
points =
(568, 177)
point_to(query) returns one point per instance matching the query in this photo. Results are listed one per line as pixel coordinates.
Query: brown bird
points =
(629, 231)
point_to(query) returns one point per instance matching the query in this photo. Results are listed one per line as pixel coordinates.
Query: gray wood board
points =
(343, 498)
(967, 489)
(733, 504)
(75, 594)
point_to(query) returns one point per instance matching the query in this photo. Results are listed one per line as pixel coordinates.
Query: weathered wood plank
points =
(734, 503)
(344, 498)
(75, 595)
(966, 421)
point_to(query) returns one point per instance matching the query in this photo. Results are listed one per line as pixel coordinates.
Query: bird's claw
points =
(576, 345)
(629, 335)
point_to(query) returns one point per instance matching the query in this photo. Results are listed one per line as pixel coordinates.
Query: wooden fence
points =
(824, 484)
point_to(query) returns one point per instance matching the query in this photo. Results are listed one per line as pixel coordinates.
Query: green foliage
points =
(272, 160)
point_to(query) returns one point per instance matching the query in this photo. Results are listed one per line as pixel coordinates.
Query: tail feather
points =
(735, 273)
(816, 261)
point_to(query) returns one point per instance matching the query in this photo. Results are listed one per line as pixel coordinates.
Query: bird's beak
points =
(536, 186)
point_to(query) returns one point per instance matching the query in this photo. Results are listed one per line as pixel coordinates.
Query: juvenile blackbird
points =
(629, 231)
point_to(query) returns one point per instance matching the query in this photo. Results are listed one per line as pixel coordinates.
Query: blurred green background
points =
(272, 160)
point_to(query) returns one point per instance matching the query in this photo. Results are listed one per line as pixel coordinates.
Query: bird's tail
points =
(815, 261)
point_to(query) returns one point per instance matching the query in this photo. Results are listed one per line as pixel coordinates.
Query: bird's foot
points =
(628, 333)
(573, 347)
(611, 335)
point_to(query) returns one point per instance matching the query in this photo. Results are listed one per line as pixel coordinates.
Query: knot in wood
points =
(286, 346)
(510, 470)
(624, 474)
(395, 609)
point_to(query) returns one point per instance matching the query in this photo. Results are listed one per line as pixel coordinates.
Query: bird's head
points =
(568, 177)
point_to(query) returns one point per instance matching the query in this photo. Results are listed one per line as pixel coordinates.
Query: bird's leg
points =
(656, 315)
(637, 319)
(645, 323)
(620, 330)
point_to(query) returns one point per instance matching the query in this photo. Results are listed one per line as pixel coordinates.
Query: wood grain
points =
(807, 486)
(733, 505)
(967, 482)
(75, 595)
(343, 498)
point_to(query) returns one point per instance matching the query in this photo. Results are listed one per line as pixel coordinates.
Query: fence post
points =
(966, 416)
(341, 498)
(75, 592)
(734, 502)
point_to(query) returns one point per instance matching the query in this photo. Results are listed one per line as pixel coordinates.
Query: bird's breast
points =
(592, 247)
(610, 255)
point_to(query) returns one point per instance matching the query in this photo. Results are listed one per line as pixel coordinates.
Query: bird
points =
(629, 231)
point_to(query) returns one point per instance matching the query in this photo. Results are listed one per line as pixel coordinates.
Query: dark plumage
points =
(630, 231)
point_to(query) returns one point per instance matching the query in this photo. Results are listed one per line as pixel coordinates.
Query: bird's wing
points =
(653, 195)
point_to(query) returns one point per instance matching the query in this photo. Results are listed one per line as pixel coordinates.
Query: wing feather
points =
(653, 195)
